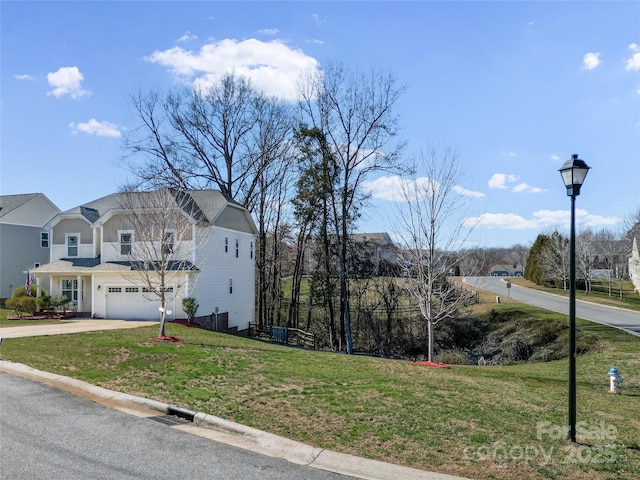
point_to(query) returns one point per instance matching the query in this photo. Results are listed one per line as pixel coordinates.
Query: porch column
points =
(80, 302)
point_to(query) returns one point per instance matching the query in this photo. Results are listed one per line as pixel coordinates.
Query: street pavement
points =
(627, 320)
(201, 424)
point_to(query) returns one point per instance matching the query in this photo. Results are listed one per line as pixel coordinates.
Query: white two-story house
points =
(104, 254)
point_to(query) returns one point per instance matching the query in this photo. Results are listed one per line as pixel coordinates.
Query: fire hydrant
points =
(614, 379)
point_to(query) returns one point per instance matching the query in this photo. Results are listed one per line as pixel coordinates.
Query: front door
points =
(70, 290)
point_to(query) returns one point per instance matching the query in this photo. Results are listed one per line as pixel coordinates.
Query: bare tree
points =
(584, 257)
(275, 149)
(229, 137)
(611, 252)
(161, 228)
(433, 232)
(205, 138)
(554, 259)
(354, 114)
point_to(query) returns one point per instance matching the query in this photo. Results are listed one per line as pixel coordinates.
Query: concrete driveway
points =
(71, 326)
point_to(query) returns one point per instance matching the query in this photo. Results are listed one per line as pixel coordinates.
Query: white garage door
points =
(128, 302)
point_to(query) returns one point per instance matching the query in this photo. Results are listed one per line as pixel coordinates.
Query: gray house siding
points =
(15, 261)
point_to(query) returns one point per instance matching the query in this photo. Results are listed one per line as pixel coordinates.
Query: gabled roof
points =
(203, 206)
(8, 203)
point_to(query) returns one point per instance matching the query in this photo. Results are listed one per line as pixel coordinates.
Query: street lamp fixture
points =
(573, 173)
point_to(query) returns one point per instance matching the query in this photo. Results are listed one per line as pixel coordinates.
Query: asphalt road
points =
(46, 433)
(616, 317)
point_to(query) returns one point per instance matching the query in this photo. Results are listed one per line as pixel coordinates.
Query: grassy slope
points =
(471, 421)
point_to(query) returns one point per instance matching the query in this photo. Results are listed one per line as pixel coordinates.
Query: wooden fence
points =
(284, 335)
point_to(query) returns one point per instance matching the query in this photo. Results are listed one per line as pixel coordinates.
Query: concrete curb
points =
(256, 440)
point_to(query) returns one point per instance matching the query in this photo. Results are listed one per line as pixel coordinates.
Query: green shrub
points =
(190, 306)
(23, 304)
(59, 302)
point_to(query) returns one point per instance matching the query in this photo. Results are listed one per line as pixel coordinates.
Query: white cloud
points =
(269, 31)
(499, 180)
(23, 76)
(634, 62)
(591, 60)
(509, 221)
(395, 188)
(385, 188)
(549, 218)
(541, 220)
(272, 67)
(524, 187)
(508, 153)
(67, 81)
(555, 157)
(94, 127)
(319, 19)
(187, 37)
(467, 193)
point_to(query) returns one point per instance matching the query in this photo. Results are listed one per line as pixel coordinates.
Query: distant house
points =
(634, 265)
(373, 254)
(97, 254)
(506, 270)
(24, 243)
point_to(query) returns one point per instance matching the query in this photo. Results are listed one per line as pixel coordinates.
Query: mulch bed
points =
(431, 364)
(185, 323)
(167, 338)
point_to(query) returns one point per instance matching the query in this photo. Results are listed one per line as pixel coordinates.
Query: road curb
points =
(263, 442)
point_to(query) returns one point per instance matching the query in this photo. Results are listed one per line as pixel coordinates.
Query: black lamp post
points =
(573, 173)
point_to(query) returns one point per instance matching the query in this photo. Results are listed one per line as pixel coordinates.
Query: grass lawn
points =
(478, 422)
(21, 322)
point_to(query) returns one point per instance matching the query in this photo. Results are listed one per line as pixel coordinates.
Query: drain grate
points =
(170, 420)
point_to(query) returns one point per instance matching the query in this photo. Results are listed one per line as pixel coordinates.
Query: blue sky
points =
(514, 87)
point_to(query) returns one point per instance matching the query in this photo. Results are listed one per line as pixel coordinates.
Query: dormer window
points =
(168, 243)
(126, 243)
(72, 245)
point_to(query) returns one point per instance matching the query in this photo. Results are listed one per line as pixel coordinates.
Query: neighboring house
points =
(96, 259)
(24, 243)
(511, 270)
(373, 254)
(634, 265)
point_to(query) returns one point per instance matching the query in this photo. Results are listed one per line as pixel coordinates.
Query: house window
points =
(168, 242)
(251, 250)
(230, 285)
(70, 289)
(126, 243)
(226, 244)
(237, 248)
(44, 239)
(72, 245)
